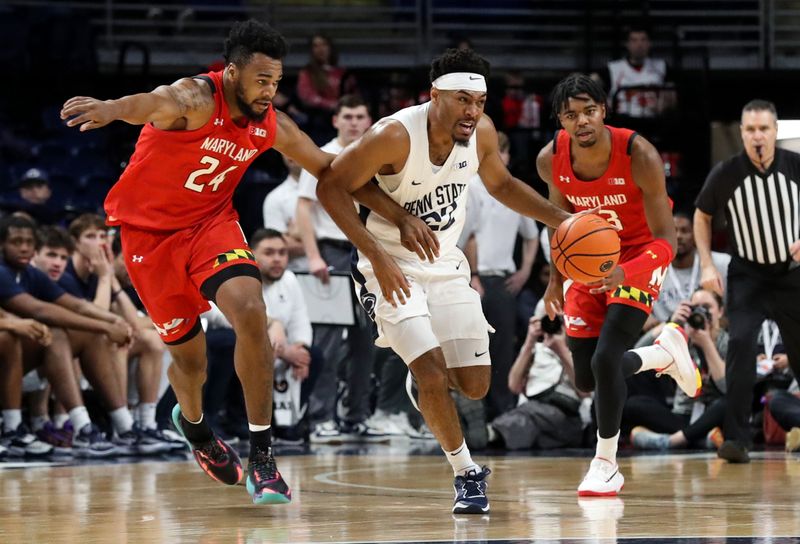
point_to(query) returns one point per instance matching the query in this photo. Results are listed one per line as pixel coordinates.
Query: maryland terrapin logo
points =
(234, 255)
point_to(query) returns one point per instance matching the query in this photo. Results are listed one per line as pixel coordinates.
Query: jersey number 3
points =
(214, 183)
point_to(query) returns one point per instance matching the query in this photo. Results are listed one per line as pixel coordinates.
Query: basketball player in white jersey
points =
(425, 310)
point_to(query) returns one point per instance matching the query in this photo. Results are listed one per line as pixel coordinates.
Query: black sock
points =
(196, 433)
(260, 440)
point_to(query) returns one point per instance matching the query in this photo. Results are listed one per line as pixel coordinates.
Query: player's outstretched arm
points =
(296, 144)
(186, 104)
(512, 192)
(383, 146)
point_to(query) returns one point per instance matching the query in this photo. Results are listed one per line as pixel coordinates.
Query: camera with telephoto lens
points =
(551, 326)
(699, 317)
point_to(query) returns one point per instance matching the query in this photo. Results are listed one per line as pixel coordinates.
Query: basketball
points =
(585, 248)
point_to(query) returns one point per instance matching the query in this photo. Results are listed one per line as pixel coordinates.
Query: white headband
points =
(460, 81)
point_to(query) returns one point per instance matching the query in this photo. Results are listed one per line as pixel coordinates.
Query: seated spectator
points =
(637, 69)
(785, 409)
(90, 275)
(690, 422)
(35, 197)
(320, 84)
(78, 328)
(683, 274)
(280, 206)
(15, 439)
(547, 416)
(296, 362)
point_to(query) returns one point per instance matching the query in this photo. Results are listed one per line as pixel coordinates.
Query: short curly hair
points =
(251, 36)
(459, 60)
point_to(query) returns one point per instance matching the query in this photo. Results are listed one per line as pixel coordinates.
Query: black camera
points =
(699, 317)
(551, 326)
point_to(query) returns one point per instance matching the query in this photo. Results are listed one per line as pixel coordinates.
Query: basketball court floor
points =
(395, 494)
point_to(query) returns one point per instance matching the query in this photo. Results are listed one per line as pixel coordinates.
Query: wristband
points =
(657, 254)
(474, 274)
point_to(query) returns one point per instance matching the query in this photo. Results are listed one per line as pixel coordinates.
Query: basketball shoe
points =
(471, 492)
(215, 457)
(264, 483)
(602, 480)
(682, 368)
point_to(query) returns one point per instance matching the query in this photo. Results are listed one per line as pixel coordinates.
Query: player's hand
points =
(609, 283)
(88, 113)
(515, 282)
(391, 279)
(29, 328)
(318, 267)
(711, 280)
(554, 298)
(417, 236)
(780, 361)
(794, 250)
(296, 355)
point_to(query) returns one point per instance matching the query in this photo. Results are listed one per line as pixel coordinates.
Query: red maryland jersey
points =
(615, 190)
(180, 178)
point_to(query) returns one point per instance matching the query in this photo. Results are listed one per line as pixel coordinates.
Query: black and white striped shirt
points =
(762, 209)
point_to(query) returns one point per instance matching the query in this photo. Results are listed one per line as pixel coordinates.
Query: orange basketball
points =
(585, 248)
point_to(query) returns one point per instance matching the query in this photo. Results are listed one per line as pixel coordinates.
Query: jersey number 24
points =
(214, 183)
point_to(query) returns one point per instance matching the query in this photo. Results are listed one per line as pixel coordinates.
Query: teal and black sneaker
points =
(264, 483)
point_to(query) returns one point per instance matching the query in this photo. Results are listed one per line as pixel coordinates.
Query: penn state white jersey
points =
(435, 194)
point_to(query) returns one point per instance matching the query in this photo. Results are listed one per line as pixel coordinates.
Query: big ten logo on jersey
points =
(258, 131)
(460, 165)
(438, 207)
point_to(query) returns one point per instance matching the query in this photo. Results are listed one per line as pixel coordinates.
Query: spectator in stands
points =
(785, 409)
(683, 274)
(15, 439)
(35, 197)
(329, 250)
(280, 207)
(637, 69)
(493, 229)
(544, 379)
(90, 275)
(296, 362)
(320, 84)
(28, 292)
(690, 422)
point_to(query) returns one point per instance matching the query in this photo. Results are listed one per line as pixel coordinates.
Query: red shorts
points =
(176, 273)
(584, 313)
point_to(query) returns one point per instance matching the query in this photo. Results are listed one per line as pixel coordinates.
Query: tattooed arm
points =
(187, 104)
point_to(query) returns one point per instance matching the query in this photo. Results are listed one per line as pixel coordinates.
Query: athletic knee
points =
(475, 389)
(249, 314)
(605, 362)
(431, 379)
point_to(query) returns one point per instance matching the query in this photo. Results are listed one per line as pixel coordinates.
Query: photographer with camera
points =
(544, 378)
(690, 422)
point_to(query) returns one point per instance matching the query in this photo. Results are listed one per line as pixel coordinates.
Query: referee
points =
(759, 190)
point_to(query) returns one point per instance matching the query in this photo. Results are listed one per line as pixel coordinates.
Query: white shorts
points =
(440, 292)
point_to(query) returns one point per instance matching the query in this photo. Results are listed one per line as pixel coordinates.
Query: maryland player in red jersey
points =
(181, 240)
(587, 165)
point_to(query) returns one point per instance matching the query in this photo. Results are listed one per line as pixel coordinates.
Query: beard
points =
(268, 276)
(246, 109)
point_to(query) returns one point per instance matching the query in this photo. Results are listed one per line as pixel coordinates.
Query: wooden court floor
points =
(394, 497)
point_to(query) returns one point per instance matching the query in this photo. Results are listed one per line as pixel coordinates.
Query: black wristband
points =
(474, 274)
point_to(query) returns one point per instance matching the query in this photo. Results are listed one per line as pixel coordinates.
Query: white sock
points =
(607, 448)
(193, 422)
(11, 420)
(461, 460)
(121, 419)
(37, 422)
(257, 428)
(653, 357)
(60, 419)
(79, 417)
(146, 412)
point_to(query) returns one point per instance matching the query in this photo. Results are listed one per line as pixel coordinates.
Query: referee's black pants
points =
(756, 292)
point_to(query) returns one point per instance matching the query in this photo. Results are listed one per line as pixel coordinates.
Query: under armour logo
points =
(565, 179)
(218, 122)
(137, 258)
